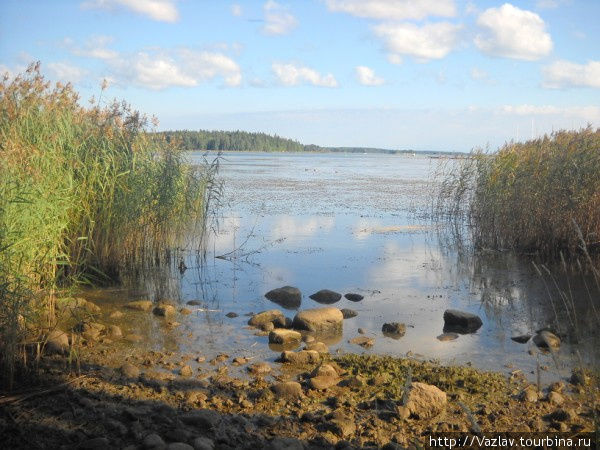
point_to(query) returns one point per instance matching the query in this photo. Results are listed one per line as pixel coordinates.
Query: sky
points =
(446, 75)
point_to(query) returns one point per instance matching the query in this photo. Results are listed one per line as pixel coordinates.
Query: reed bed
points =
(85, 191)
(541, 196)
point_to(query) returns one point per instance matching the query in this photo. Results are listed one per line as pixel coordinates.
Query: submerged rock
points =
(425, 400)
(395, 330)
(164, 310)
(140, 305)
(194, 303)
(287, 296)
(348, 313)
(354, 297)
(317, 347)
(319, 320)
(265, 317)
(363, 341)
(231, 315)
(326, 296)
(116, 315)
(444, 337)
(259, 369)
(284, 336)
(461, 321)
(522, 339)
(546, 340)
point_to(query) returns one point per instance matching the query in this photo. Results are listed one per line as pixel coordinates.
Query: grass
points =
(541, 196)
(85, 191)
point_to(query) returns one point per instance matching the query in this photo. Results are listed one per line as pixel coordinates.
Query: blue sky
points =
(422, 74)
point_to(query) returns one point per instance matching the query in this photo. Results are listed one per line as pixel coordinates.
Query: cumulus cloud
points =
(587, 113)
(277, 19)
(394, 9)
(66, 72)
(367, 77)
(236, 10)
(430, 41)
(564, 74)
(160, 10)
(95, 47)
(292, 75)
(511, 32)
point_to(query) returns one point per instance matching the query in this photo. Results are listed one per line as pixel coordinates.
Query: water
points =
(351, 223)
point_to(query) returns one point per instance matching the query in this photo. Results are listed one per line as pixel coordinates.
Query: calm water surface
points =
(350, 223)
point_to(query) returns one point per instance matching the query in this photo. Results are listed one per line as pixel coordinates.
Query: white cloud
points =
(394, 9)
(160, 10)
(277, 20)
(94, 48)
(430, 41)
(293, 75)
(511, 32)
(66, 72)
(479, 74)
(366, 76)
(236, 10)
(563, 74)
(587, 113)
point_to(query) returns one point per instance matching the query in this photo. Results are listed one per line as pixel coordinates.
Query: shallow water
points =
(351, 223)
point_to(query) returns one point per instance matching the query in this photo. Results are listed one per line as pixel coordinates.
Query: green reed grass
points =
(528, 196)
(84, 193)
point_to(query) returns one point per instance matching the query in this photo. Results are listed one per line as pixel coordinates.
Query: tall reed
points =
(84, 192)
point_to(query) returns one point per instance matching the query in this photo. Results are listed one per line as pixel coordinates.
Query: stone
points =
(130, 371)
(134, 338)
(164, 310)
(425, 400)
(267, 327)
(522, 339)
(185, 311)
(115, 315)
(354, 297)
(262, 318)
(341, 424)
(546, 340)
(461, 321)
(361, 331)
(288, 390)
(301, 357)
(445, 337)
(231, 315)
(529, 394)
(114, 331)
(203, 443)
(153, 442)
(287, 296)
(201, 418)
(179, 446)
(239, 361)
(363, 341)
(555, 398)
(326, 370)
(194, 303)
(348, 313)
(322, 382)
(140, 305)
(258, 369)
(394, 330)
(283, 336)
(186, 371)
(317, 347)
(286, 322)
(57, 341)
(326, 296)
(319, 320)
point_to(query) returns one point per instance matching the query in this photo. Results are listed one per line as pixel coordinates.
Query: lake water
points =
(353, 223)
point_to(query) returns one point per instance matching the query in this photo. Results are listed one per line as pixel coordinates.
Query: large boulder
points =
(319, 320)
(302, 357)
(287, 296)
(326, 296)
(546, 340)
(265, 317)
(283, 336)
(395, 330)
(425, 400)
(461, 321)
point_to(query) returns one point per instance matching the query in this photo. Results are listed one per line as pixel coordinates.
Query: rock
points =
(186, 371)
(286, 322)
(317, 347)
(529, 394)
(354, 297)
(555, 398)
(283, 336)
(201, 418)
(323, 382)
(361, 331)
(522, 339)
(134, 338)
(394, 330)
(179, 446)
(57, 341)
(557, 386)
(355, 381)
(194, 303)
(579, 377)
(267, 327)
(425, 400)
(285, 443)
(164, 310)
(231, 315)
(262, 318)
(461, 321)
(326, 296)
(115, 315)
(74, 303)
(288, 390)
(140, 305)
(99, 443)
(114, 332)
(363, 341)
(341, 424)
(203, 443)
(287, 296)
(301, 357)
(444, 337)
(130, 371)
(153, 442)
(319, 320)
(185, 311)
(258, 369)
(546, 340)
(239, 361)
(325, 370)
(348, 313)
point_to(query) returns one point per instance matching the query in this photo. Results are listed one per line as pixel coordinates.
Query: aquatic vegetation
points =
(84, 193)
(536, 196)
